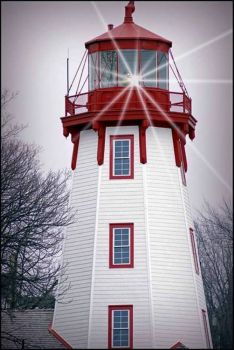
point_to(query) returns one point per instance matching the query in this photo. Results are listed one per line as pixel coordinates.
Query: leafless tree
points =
(34, 213)
(215, 243)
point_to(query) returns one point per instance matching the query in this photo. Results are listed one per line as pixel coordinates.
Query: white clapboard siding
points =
(72, 316)
(121, 201)
(198, 277)
(175, 300)
(166, 293)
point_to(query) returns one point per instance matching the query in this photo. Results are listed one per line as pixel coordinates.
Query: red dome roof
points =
(129, 31)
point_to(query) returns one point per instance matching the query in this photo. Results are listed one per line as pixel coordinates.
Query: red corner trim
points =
(75, 140)
(191, 133)
(58, 337)
(120, 307)
(131, 264)
(184, 156)
(101, 144)
(178, 345)
(142, 141)
(101, 141)
(176, 144)
(65, 131)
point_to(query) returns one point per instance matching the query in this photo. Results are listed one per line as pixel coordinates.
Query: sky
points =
(35, 39)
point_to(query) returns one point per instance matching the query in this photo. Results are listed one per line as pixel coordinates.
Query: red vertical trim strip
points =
(111, 245)
(101, 144)
(206, 328)
(131, 327)
(195, 257)
(58, 337)
(184, 156)
(120, 307)
(75, 140)
(142, 141)
(191, 133)
(175, 138)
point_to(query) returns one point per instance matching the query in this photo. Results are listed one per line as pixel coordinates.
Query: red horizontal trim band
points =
(58, 337)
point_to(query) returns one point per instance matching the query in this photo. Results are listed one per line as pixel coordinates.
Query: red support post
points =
(101, 141)
(75, 140)
(176, 144)
(142, 141)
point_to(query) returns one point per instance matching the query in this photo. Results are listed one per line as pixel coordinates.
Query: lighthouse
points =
(131, 257)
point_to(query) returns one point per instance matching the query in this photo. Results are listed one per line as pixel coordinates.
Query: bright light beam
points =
(193, 81)
(111, 37)
(210, 167)
(115, 99)
(195, 49)
(153, 129)
(123, 110)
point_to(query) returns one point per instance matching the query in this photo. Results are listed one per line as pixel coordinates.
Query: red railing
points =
(153, 99)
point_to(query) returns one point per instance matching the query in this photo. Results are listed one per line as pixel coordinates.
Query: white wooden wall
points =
(176, 303)
(166, 294)
(71, 318)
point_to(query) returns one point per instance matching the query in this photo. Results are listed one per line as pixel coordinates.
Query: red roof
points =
(129, 31)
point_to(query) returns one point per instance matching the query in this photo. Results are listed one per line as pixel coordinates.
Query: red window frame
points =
(122, 137)
(206, 328)
(195, 256)
(111, 245)
(111, 308)
(182, 168)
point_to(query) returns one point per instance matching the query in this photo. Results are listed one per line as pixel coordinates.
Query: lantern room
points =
(122, 67)
(124, 73)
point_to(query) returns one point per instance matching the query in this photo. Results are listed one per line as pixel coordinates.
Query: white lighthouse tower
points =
(131, 254)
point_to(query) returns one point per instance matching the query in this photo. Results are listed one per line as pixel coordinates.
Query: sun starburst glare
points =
(136, 81)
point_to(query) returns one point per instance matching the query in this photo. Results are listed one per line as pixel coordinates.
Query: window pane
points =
(108, 68)
(148, 67)
(162, 70)
(122, 249)
(93, 71)
(121, 166)
(122, 148)
(120, 328)
(128, 64)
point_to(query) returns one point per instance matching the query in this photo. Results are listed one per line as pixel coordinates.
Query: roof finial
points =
(129, 9)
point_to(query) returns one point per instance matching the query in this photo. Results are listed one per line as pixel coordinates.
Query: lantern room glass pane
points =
(148, 68)
(162, 70)
(108, 69)
(128, 66)
(93, 71)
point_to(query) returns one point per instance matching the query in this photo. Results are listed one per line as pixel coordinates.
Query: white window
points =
(122, 157)
(120, 328)
(121, 247)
